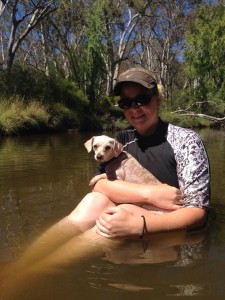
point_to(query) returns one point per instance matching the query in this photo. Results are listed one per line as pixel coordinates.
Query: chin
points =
(142, 131)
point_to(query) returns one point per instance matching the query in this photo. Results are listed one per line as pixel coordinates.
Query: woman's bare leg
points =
(88, 210)
(79, 220)
(85, 245)
(69, 240)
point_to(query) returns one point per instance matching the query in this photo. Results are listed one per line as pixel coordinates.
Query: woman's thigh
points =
(90, 208)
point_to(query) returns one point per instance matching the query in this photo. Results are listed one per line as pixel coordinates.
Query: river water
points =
(43, 177)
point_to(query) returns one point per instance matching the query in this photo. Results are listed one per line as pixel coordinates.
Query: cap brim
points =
(118, 85)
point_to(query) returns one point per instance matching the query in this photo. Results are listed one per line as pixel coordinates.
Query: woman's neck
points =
(151, 130)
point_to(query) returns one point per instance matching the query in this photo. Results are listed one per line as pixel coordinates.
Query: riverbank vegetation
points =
(59, 61)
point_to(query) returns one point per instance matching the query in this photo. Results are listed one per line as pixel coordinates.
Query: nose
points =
(99, 156)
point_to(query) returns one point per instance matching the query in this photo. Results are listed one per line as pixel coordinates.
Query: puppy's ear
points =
(117, 148)
(88, 144)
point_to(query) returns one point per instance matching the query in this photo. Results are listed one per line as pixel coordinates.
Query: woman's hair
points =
(160, 90)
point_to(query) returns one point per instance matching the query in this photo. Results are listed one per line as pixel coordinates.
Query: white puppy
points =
(119, 164)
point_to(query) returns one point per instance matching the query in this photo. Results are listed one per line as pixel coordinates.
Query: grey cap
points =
(143, 77)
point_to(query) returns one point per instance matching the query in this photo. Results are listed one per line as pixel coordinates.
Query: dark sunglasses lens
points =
(142, 100)
(126, 103)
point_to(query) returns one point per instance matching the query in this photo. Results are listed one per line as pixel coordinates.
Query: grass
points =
(17, 116)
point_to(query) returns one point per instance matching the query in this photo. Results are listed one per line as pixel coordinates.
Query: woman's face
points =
(143, 118)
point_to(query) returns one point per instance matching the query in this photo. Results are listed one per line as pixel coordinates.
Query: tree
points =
(22, 18)
(162, 39)
(205, 56)
(107, 34)
(120, 24)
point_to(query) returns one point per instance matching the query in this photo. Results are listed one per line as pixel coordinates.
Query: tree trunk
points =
(43, 43)
(36, 14)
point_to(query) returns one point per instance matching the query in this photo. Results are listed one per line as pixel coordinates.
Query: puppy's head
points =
(104, 147)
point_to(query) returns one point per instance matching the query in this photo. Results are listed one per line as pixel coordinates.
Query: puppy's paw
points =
(95, 179)
(93, 182)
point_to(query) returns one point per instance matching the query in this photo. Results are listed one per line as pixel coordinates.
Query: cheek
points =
(152, 107)
(126, 113)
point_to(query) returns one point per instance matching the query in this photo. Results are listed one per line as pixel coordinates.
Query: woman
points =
(176, 156)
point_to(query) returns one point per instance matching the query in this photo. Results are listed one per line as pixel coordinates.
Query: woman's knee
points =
(95, 199)
(92, 202)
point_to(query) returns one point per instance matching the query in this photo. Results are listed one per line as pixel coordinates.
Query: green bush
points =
(32, 84)
(62, 117)
(16, 116)
(109, 114)
(30, 100)
(67, 92)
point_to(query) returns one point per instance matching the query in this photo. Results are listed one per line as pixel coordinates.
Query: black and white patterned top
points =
(176, 156)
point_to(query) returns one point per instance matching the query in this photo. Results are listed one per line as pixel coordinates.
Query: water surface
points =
(42, 178)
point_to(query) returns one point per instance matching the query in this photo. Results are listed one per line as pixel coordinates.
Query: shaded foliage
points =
(205, 60)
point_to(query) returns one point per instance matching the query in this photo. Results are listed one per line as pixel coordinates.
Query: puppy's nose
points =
(99, 156)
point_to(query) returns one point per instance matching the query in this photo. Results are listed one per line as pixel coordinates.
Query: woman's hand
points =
(118, 222)
(164, 196)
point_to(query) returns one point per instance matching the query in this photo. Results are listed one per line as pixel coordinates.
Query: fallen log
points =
(184, 112)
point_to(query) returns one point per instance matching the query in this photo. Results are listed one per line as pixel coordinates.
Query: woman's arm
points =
(162, 195)
(119, 221)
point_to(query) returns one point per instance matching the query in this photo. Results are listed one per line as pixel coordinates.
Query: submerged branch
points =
(184, 112)
(188, 112)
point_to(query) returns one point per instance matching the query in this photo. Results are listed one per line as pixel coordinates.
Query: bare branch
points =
(3, 5)
(207, 117)
(37, 16)
(192, 105)
(187, 112)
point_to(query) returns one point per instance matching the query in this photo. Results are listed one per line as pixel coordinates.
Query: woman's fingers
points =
(104, 230)
(102, 233)
(102, 226)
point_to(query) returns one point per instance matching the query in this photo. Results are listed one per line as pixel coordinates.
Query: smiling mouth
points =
(138, 117)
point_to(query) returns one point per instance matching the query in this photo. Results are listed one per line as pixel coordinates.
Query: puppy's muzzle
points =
(100, 157)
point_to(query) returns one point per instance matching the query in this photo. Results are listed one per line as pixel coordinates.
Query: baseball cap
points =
(141, 76)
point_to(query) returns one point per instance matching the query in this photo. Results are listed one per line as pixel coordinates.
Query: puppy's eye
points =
(95, 147)
(107, 147)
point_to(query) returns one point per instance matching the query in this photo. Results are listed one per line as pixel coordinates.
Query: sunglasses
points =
(128, 102)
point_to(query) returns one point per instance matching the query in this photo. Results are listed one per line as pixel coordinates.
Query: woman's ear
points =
(158, 99)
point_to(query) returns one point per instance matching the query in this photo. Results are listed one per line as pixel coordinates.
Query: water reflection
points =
(114, 267)
(42, 178)
(178, 247)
